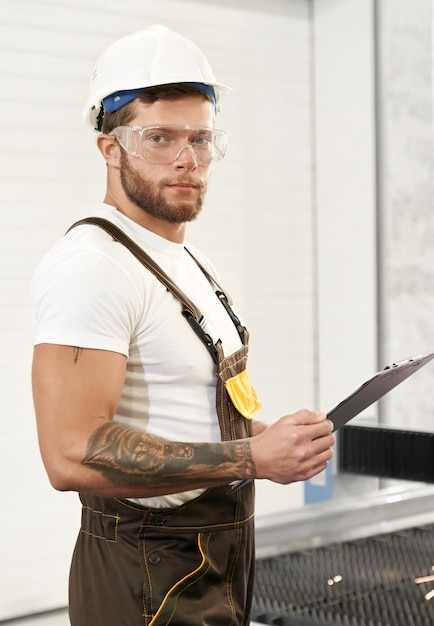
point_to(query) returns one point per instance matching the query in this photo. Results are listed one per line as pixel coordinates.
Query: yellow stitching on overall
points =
(93, 513)
(232, 570)
(179, 583)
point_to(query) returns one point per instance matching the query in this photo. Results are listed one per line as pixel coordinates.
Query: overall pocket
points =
(192, 581)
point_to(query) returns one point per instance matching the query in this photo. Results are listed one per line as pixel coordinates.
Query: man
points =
(141, 392)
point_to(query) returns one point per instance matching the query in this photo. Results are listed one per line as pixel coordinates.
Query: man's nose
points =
(186, 157)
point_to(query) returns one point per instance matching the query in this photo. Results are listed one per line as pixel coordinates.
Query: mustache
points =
(183, 180)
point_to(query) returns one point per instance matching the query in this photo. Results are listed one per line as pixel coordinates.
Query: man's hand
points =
(296, 447)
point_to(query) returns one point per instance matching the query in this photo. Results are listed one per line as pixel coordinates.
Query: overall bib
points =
(192, 565)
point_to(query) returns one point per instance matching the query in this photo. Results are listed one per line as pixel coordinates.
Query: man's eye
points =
(157, 138)
(201, 141)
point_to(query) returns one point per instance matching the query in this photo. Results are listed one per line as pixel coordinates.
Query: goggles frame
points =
(162, 144)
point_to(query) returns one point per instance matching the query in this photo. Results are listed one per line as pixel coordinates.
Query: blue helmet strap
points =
(116, 100)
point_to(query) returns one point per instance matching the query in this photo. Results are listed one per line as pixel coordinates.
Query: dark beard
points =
(146, 196)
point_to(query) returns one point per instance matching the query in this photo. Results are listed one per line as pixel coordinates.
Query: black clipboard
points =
(372, 390)
(375, 388)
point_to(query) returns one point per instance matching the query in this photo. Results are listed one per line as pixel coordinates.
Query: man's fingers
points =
(305, 417)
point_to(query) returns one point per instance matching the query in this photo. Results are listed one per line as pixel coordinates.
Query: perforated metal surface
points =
(369, 582)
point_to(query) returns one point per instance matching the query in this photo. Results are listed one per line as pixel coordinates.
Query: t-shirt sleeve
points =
(87, 300)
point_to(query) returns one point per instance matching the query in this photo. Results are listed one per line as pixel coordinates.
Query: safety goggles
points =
(162, 145)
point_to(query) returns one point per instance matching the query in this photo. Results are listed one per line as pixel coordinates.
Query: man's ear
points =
(109, 148)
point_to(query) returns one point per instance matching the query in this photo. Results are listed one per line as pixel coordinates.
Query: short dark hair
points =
(124, 115)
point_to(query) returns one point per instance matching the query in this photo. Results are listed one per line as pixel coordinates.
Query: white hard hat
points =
(150, 57)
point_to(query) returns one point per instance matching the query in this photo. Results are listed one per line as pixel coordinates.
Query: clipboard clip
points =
(413, 359)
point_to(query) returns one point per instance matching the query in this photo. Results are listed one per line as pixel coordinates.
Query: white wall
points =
(257, 226)
(345, 186)
(407, 191)
(345, 196)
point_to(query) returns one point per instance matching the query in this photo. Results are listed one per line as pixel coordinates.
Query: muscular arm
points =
(131, 457)
(76, 393)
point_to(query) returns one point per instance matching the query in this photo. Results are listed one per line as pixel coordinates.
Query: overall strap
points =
(225, 300)
(190, 311)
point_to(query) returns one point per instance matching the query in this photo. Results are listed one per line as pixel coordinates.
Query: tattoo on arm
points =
(133, 457)
(77, 353)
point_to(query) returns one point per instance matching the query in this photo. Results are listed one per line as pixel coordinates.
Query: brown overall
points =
(192, 565)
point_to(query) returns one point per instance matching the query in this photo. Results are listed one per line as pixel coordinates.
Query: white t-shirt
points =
(90, 291)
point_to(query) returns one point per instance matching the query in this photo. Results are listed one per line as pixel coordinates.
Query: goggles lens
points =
(163, 144)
